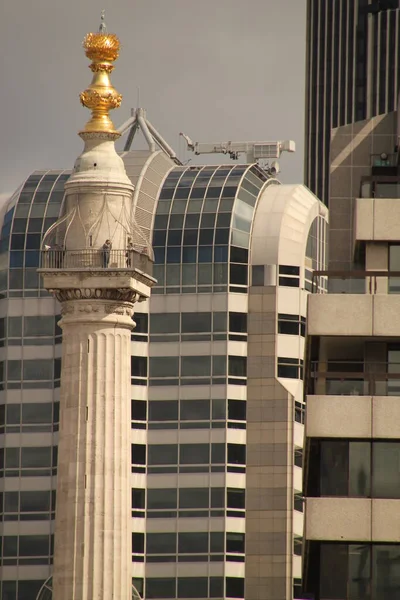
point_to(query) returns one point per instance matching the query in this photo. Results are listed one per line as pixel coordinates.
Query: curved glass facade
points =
(202, 228)
(29, 399)
(29, 213)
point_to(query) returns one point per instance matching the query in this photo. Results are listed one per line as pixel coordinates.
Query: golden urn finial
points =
(100, 97)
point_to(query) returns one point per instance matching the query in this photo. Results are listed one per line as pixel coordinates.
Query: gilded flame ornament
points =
(100, 97)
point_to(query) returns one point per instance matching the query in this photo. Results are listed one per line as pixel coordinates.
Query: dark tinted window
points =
(164, 410)
(138, 366)
(36, 457)
(138, 543)
(34, 501)
(216, 587)
(238, 274)
(194, 454)
(238, 322)
(158, 587)
(163, 454)
(219, 321)
(164, 323)
(192, 587)
(34, 545)
(196, 322)
(217, 541)
(237, 454)
(385, 470)
(161, 543)
(195, 410)
(235, 542)
(26, 589)
(234, 587)
(138, 498)
(38, 326)
(194, 498)
(334, 571)
(164, 366)
(161, 498)
(236, 498)
(138, 454)
(237, 366)
(193, 542)
(142, 322)
(193, 366)
(217, 497)
(218, 453)
(138, 410)
(237, 410)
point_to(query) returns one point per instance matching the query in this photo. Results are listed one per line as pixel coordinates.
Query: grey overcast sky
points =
(215, 69)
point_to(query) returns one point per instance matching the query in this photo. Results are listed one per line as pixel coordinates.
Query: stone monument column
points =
(93, 516)
(85, 266)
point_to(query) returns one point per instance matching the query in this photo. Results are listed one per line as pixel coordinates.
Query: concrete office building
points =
(216, 379)
(216, 392)
(352, 546)
(352, 71)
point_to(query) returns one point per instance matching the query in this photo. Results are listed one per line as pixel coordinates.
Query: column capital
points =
(108, 311)
(109, 294)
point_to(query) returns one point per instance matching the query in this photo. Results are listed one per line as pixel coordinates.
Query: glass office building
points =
(217, 370)
(352, 71)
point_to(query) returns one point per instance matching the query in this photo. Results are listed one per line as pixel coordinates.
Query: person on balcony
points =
(106, 250)
(129, 254)
(58, 256)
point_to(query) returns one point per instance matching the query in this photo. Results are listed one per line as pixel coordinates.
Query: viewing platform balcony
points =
(98, 269)
(95, 259)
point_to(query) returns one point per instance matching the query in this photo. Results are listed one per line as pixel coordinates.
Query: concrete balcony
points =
(366, 314)
(352, 519)
(353, 417)
(377, 219)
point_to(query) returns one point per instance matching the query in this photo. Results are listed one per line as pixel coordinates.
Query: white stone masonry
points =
(92, 558)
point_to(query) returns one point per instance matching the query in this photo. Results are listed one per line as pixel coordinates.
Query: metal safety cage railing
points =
(95, 259)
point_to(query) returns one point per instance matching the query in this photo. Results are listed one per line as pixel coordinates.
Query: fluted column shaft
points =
(93, 514)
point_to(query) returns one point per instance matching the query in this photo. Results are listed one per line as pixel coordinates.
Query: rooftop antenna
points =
(138, 120)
